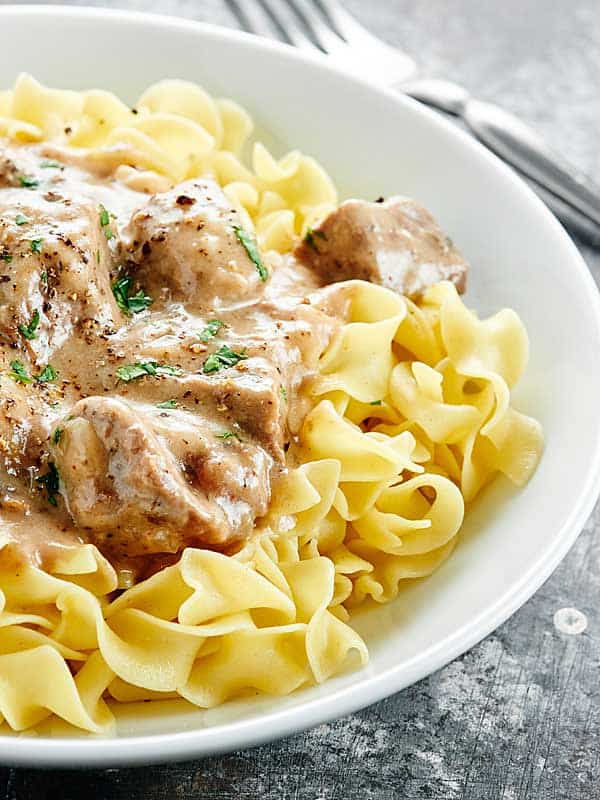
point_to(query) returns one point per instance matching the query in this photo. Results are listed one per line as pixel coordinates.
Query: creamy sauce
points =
(186, 455)
(152, 362)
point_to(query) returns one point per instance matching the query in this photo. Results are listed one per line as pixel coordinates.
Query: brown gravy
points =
(140, 425)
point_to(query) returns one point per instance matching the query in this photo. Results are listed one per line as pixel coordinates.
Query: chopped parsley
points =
(44, 277)
(47, 374)
(228, 435)
(36, 245)
(28, 331)
(310, 238)
(19, 373)
(128, 303)
(104, 217)
(105, 222)
(6, 257)
(130, 372)
(20, 219)
(98, 256)
(50, 163)
(27, 182)
(50, 482)
(310, 235)
(56, 435)
(251, 248)
(213, 326)
(283, 393)
(224, 357)
(375, 403)
(169, 404)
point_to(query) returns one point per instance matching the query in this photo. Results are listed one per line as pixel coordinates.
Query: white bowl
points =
(374, 143)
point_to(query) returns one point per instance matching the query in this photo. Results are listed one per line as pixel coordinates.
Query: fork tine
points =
(250, 18)
(359, 38)
(344, 23)
(325, 35)
(286, 25)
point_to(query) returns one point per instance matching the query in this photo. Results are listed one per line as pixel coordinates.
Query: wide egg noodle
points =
(410, 418)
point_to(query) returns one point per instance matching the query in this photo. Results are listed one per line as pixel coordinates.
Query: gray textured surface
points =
(518, 717)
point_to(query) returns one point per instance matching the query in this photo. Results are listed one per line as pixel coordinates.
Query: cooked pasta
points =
(409, 418)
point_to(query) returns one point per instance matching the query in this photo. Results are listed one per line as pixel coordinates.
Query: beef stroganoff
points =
(231, 409)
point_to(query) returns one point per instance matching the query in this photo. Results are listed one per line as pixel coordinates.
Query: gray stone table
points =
(517, 717)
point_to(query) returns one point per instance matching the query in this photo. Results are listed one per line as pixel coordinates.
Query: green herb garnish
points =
(224, 357)
(19, 373)
(6, 257)
(169, 404)
(105, 222)
(20, 219)
(375, 403)
(56, 435)
(28, 182)
(139, 302)
(44, 276)
(310, 235)
(227, 435)
(140, 369)
(213, 326)
(50, 481)
(104, 217)
(36, 245)
(50, 163)
(310, 238)
(28, 331)
(283, 393)
(130, 304)
(47, 374)
(251, 248)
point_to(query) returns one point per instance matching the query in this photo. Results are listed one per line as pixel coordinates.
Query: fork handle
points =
(514, 141)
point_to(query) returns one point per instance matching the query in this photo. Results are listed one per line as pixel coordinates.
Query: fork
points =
(324, 25)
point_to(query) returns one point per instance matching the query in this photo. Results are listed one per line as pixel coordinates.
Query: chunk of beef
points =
(186, 240)
(123, 479)
(247, 400)
(223, 462)
(53, 269)
(396, 244)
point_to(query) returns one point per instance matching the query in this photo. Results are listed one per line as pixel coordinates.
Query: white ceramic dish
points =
(373, 142)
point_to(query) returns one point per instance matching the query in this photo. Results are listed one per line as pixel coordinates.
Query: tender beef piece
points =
(221, 461)
(53, 264)
(247, 400)
(282, 341)
(145, 482)
(185, 239)
(397, 244)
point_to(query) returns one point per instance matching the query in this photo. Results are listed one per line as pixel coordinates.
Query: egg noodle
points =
(410, 418)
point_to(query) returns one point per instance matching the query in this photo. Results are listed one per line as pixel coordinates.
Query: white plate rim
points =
(172, 747)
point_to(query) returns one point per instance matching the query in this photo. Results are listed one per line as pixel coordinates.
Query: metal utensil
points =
(326, 26)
